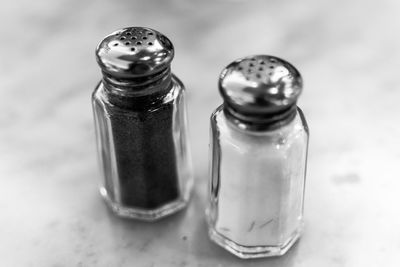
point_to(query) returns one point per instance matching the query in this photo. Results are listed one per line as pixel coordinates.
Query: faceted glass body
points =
(256, 189)
(144, 154)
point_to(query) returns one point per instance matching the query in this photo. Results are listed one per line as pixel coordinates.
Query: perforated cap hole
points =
(150, 33)
(115, 44)
(133, 49)
(150, 43)
(133, 37)
(144, 38)
(139, 43)
(127, 43)
(128, 33)
(122, 38)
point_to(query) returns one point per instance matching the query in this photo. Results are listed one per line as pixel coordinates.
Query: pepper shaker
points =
(259, 141)
(141, 126)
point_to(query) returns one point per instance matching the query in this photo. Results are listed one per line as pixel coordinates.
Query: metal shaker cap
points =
(260, 85)
(134, 52)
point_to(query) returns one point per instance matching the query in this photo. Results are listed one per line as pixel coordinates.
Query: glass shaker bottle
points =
(259, 140)
(140, 119)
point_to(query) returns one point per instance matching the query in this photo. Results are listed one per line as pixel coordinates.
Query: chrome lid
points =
(134, 52)
(260, 85)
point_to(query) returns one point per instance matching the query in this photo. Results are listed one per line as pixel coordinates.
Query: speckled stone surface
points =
(348, 53)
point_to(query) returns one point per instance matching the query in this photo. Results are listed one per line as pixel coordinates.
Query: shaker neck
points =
(260, 121)
(137, 92)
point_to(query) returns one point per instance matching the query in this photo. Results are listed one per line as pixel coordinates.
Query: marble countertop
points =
(348, 53)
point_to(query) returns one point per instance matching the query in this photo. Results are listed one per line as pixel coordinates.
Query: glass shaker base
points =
(249, 252)
(143, 214)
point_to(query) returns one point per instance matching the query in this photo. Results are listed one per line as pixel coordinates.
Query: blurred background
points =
(348, 53)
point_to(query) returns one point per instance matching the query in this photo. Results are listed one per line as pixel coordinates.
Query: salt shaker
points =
(258, 151)
(140, 120)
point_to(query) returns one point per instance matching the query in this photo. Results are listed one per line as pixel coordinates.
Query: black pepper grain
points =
(145, 157)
